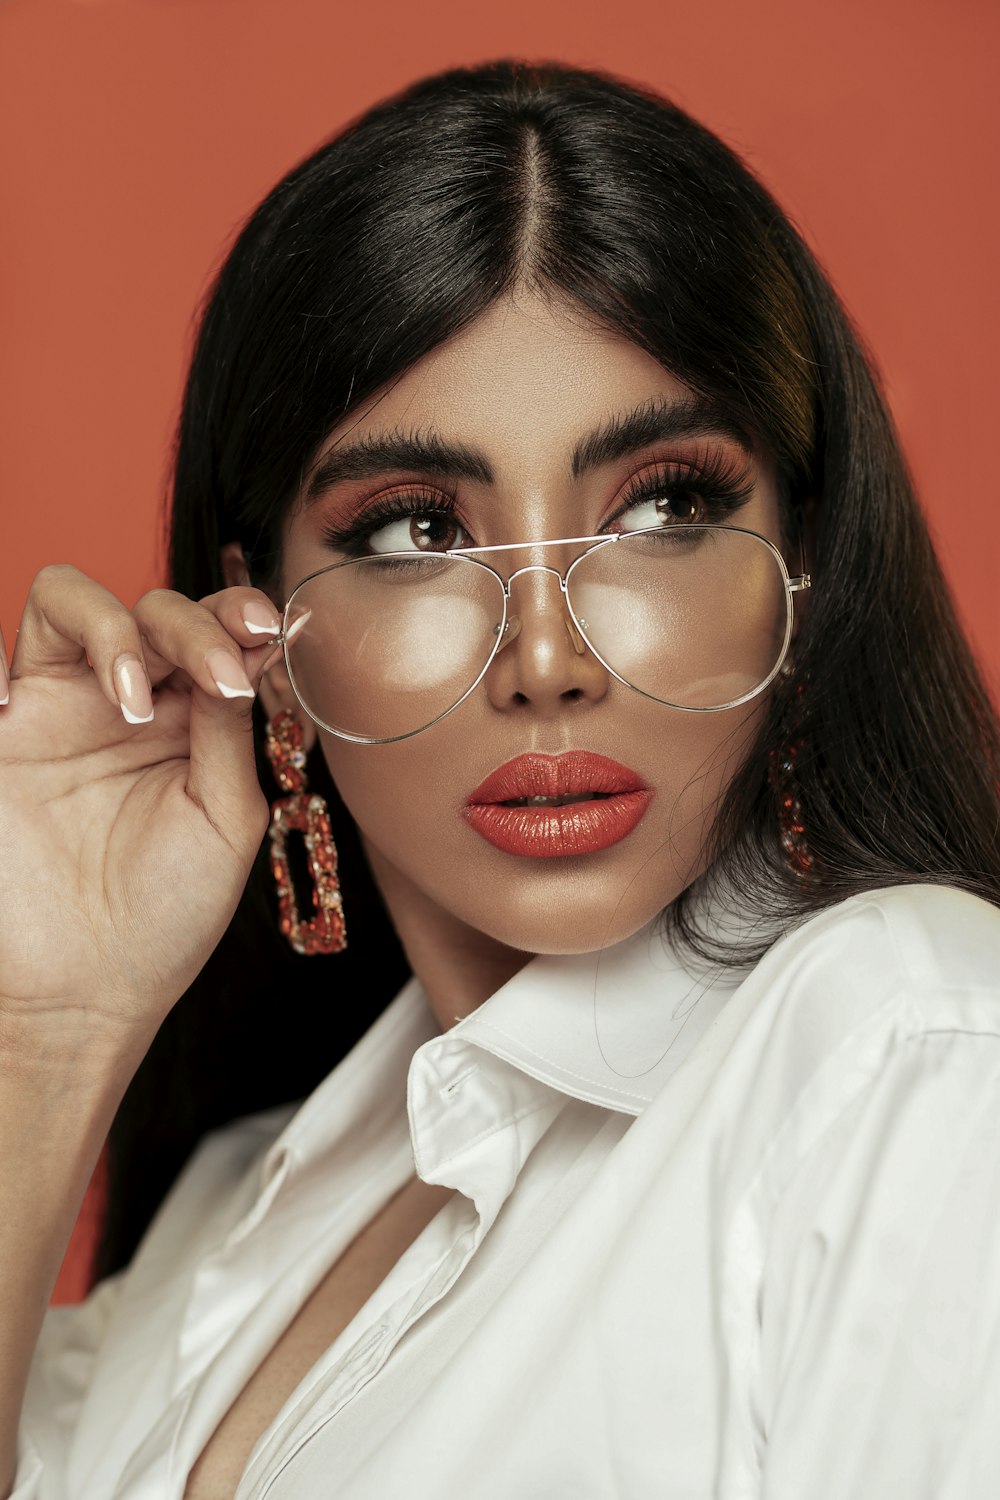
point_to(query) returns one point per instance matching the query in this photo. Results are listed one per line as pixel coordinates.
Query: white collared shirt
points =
(722, 1235)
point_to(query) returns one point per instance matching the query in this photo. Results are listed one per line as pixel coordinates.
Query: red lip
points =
(556, 831)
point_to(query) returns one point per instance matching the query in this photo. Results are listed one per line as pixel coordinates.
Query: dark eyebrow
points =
(379, 452)
(655, 421)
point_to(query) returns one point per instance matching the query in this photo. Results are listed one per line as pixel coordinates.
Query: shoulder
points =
(878, 1306)
(928, 953)
(892, 987)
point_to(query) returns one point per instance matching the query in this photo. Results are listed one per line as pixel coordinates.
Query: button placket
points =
(338, 1387)
(481, 1166)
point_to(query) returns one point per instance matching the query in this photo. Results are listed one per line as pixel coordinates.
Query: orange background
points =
(136, 134)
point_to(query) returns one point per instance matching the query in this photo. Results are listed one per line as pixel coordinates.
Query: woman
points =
(672, 1168)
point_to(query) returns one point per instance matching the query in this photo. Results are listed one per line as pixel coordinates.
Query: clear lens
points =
(694, 616)
(381, 647)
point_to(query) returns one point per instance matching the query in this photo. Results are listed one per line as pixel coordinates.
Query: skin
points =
(523, 384)
(127, 841)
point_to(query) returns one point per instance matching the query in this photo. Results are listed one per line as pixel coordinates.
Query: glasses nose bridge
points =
(537, 568)
(515, 619)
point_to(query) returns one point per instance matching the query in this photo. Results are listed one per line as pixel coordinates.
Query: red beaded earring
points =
(781, 776)
(306, 813)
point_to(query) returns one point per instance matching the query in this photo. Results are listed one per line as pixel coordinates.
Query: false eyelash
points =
(396, 507)
(721, 485)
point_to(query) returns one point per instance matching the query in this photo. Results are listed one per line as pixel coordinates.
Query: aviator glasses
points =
(697, 617)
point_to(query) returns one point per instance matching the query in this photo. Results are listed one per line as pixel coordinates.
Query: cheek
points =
(700, 759)
(718, 744)
(392, 787)
(407, 798)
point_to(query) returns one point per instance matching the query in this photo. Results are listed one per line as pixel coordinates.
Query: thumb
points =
(222, 773)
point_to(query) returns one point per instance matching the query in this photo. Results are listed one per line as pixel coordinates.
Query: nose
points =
(543, 663)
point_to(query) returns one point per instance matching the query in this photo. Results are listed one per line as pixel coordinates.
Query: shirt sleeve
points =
(58, 1381)
(880, 1305)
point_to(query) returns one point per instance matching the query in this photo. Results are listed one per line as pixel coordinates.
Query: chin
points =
(565, 927)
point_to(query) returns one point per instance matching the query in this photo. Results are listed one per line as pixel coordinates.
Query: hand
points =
(124, 846)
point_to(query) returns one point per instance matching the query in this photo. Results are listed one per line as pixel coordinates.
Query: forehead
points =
(522, 382)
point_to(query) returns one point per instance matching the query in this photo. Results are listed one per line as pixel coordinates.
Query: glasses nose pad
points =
(577, 640)
(510, 632)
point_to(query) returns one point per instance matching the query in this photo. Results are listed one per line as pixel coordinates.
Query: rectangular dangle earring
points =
(782, 778)
(307, 813)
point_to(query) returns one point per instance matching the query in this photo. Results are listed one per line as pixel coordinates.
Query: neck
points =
(457, 966)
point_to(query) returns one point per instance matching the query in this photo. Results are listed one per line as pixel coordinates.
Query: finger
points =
(178, 632)
(247, 614)
(222, 774)
(60, 602)
(4, 674)
(222, 770)
(67, 618)
(220, 641)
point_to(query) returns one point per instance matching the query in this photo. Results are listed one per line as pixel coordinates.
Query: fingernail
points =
(132, 687)
(228, 676)
(260, 619)
(4, 683)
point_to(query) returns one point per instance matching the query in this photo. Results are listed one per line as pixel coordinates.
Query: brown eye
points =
(434, 533)
(679, 507)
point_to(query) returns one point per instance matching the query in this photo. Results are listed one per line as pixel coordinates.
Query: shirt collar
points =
(610, 1027)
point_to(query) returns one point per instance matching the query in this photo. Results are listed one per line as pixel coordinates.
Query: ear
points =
(276, 690)
(234, 566)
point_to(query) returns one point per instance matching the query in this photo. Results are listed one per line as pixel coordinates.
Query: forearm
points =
(55, 1110)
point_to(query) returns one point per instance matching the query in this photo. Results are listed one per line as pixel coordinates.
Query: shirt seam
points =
(539, 1057)
(901, 1040)
(918, 981)
(265, 1482)
(751, 1369)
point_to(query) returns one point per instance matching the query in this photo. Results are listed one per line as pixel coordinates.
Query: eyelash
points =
(721, 486)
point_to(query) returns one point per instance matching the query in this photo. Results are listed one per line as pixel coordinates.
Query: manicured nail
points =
(132, 687)
(228, 676)
(260, 619)
(4, 683)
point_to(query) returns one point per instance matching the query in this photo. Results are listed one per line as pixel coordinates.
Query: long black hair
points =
(385, 242)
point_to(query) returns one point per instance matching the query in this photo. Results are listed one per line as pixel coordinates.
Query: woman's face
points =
(519, 392)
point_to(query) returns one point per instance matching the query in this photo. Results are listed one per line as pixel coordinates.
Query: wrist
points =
(69, 1052)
